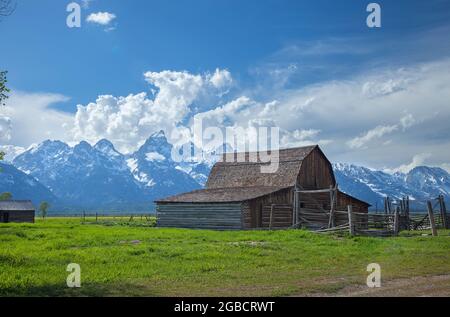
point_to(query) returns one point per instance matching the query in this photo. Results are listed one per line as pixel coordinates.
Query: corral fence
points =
(97, 217)
(396, 217)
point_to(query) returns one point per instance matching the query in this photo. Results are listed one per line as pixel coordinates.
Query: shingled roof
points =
(246, 174)
(16, 205)
(221, 195)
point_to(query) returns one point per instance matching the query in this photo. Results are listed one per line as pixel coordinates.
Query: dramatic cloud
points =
(102, 18)
(381, 118)
(128, 121)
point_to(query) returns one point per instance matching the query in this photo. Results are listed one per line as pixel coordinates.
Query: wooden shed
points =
(16, 211)
(239, 196)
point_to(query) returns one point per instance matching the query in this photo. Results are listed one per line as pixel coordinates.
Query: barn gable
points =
(243, 174)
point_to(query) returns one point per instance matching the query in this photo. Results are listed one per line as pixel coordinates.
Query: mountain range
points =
(100, 178)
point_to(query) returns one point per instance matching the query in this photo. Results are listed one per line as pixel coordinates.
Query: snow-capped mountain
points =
(101, 178)
(420, 184)
(152, 166)
(82, 176)
(23, 186)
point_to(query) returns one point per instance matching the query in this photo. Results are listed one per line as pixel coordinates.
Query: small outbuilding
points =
(16, 211)
(238, 195)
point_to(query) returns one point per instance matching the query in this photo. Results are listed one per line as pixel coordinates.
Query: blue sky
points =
(275, 51)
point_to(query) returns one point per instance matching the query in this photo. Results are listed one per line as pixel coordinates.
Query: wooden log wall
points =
(252, 211)
(281, 216)
(202, 216)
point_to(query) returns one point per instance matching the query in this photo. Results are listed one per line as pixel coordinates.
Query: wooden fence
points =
(108, 217)
(385, 224)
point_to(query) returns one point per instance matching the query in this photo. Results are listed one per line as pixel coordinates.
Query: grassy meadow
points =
(120, 258)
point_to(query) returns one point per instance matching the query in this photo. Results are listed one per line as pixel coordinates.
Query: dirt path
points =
(438, 285)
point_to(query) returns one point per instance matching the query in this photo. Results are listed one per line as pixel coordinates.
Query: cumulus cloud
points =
(102, 18)
(221, 79)
(128, 121)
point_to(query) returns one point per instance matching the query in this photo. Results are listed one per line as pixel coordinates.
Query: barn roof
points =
(16, 205)
(221, 195)
(244, 174)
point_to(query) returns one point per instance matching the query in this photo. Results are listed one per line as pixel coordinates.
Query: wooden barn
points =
(16, 211)
(238, 195)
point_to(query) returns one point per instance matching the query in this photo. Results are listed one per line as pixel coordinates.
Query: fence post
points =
(408, 221)
(396, 219)
(331, 223)
(96, 217)
(431, 217)
(350, 220)
(294, 207)
(443, 211)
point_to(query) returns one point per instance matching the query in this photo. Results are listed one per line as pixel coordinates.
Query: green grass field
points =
(134, 259)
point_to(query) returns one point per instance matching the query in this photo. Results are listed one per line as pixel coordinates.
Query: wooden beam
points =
(350, 220)
(443, 212)
(314, 191)
(431, 217)
(396, 219)
(331, 222)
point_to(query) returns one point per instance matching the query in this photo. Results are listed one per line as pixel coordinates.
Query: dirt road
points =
(417, 286)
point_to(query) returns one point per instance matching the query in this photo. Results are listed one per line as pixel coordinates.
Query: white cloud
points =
(32, 118)
(334, 114)
(5, 128)
(128, 121)
(417, 160)
(407, 121)
(11, 151)
(86, 3)
(375, 133)
(221, 79)
(102, 18)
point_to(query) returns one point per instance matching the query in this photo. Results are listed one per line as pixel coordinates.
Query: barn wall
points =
(254, 212)
(200, 216)
(323, 200)
(345, 200)
(17, 216)
(316, 171)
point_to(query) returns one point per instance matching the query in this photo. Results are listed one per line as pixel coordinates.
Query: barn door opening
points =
(6, 217)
